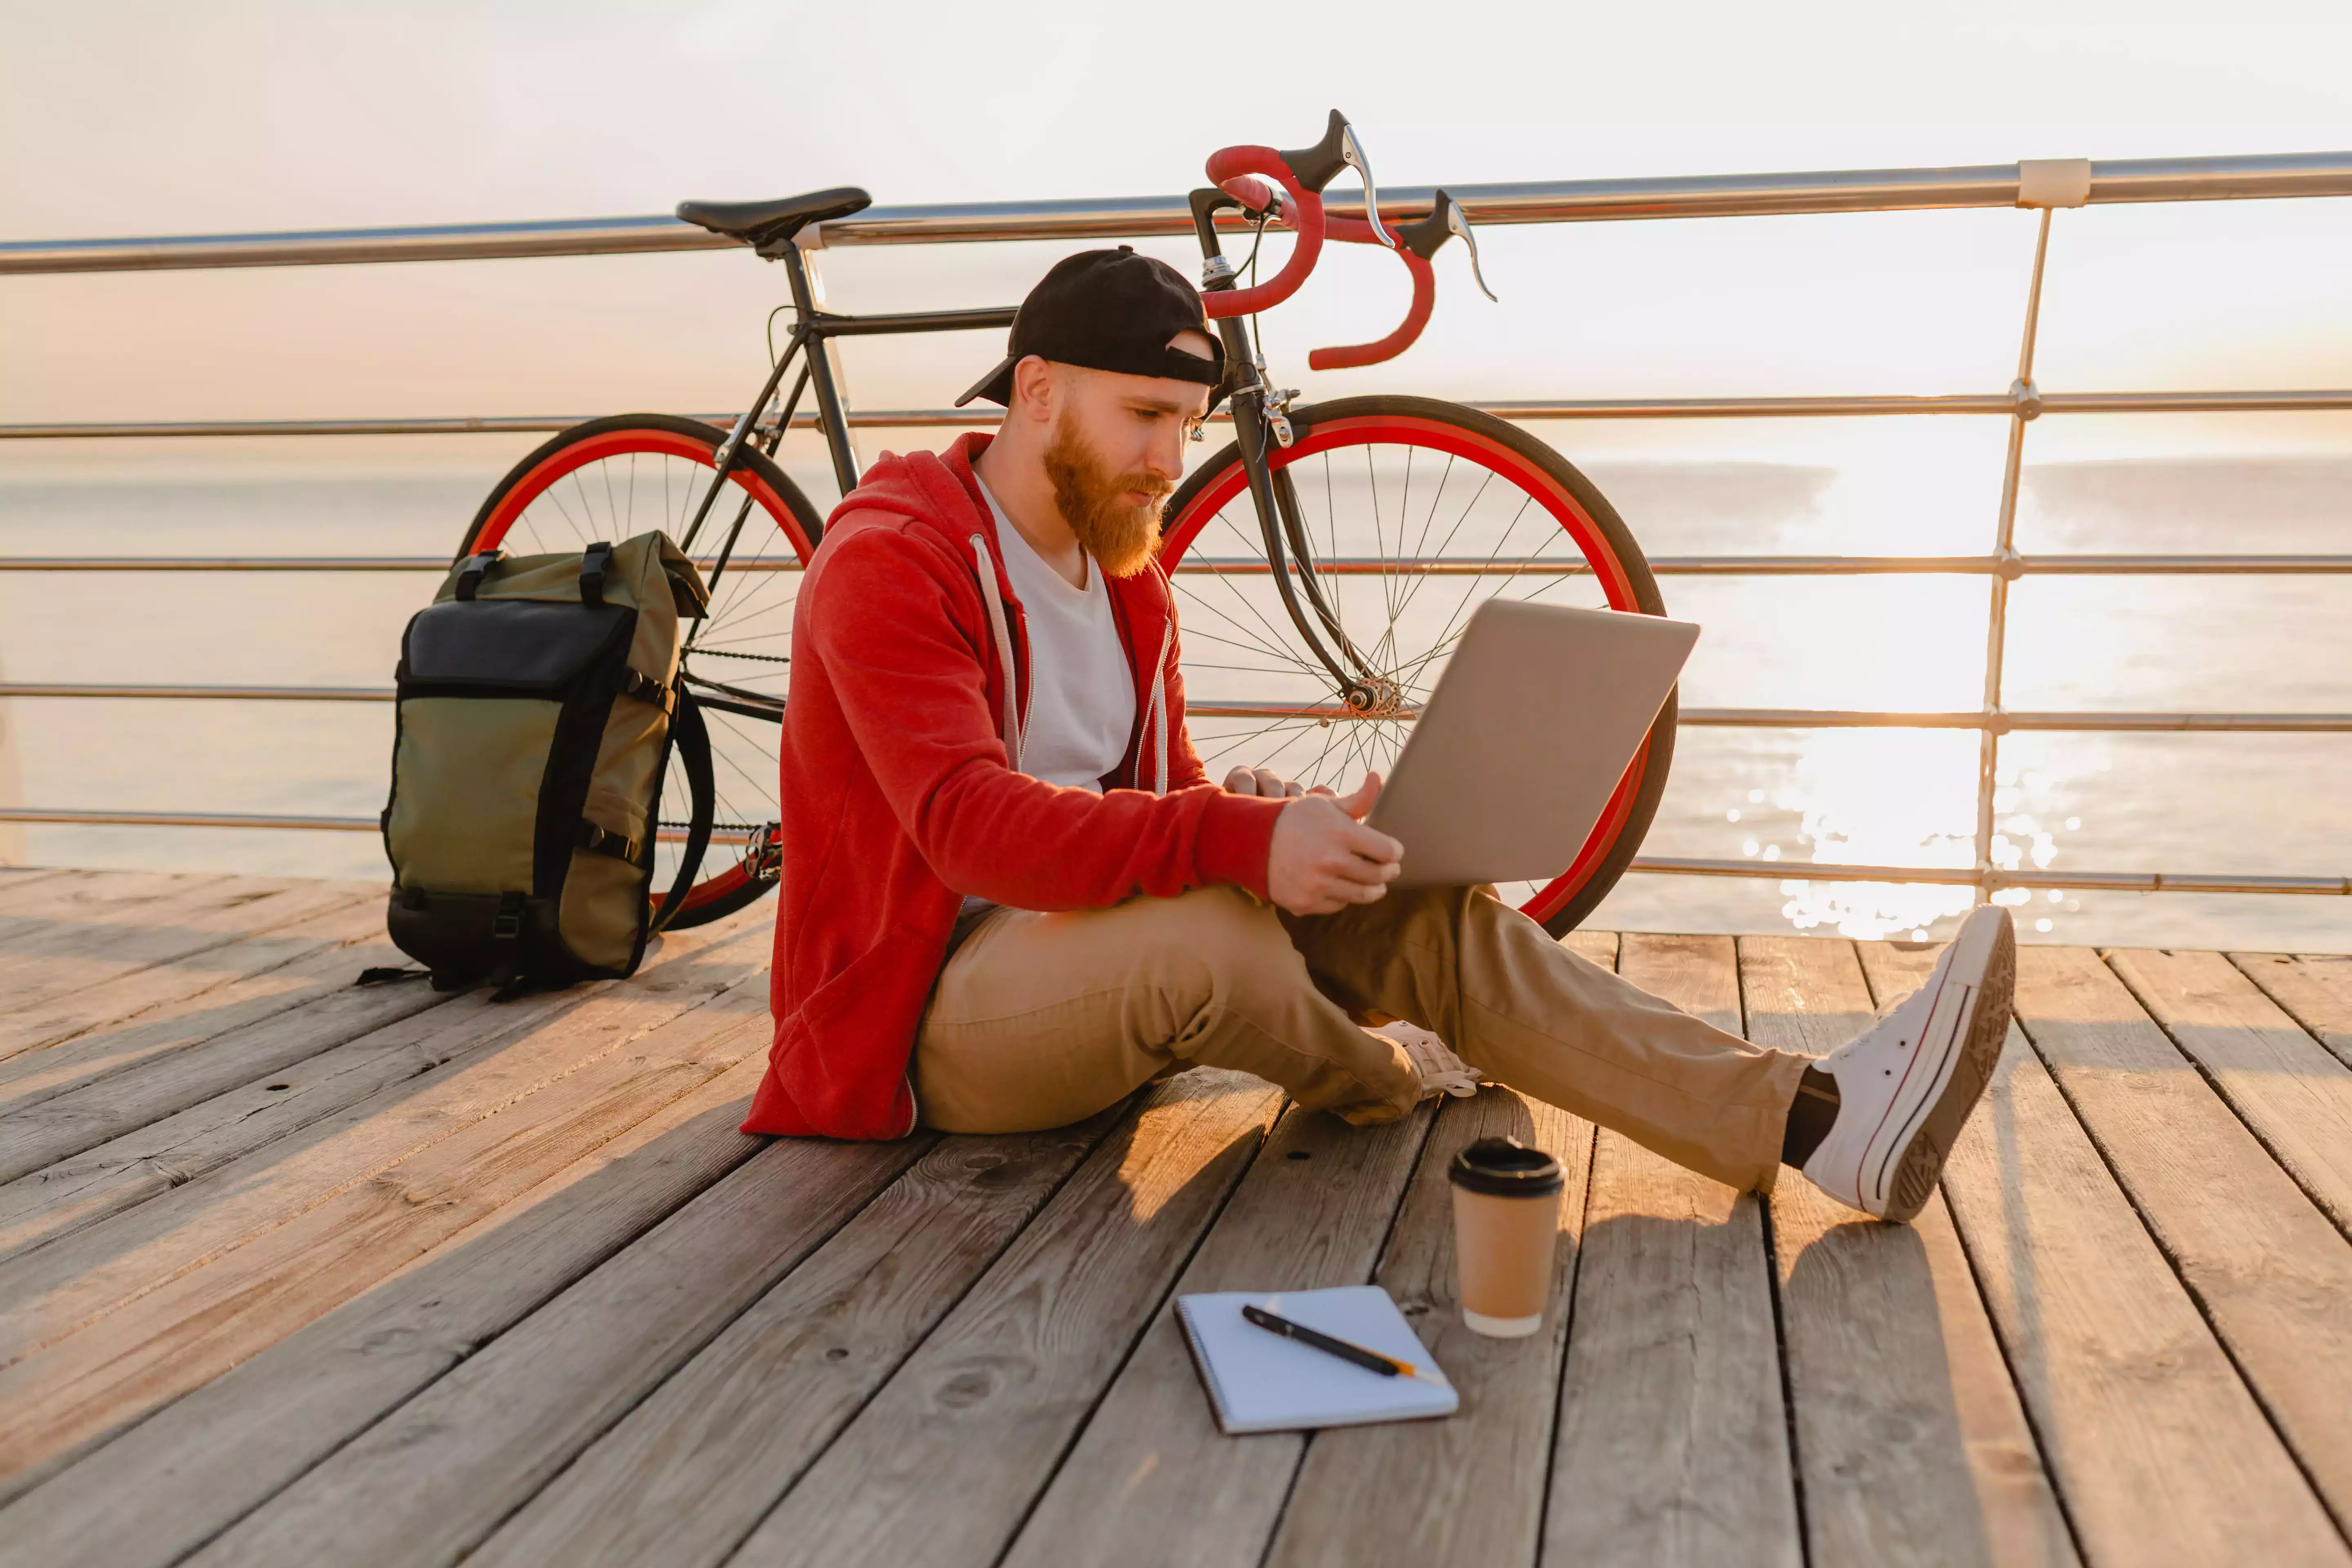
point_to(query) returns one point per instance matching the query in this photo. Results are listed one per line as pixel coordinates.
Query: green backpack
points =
(538, 701)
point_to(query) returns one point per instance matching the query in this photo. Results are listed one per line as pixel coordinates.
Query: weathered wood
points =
(689, 1472)
(178, 1057)
(13, 878)
(1468, 1489)
(2161, 1455)
(86, 1036)
(176, 1479)
(433, 1478)
(106, 1324)
(66, 956)
(942, 1466)
(2316, 989)
(2274, 1277)
(1673, 1444)
(2289, 1088)
(300, 1129)
(1152, 1479)
(38, 904)
(1886, 1465)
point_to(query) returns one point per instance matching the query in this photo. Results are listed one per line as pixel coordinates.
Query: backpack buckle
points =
(507, 924)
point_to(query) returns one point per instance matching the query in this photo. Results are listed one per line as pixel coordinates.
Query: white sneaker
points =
(1906, 1084)
(1442, 1072)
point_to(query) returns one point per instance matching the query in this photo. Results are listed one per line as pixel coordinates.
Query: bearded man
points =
(1011, 894)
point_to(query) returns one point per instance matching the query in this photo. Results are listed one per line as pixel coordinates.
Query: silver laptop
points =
(1515, 754)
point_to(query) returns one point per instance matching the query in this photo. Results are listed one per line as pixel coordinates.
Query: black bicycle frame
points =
(1279, 518)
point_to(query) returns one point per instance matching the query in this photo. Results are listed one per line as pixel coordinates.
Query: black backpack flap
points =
(508, 647)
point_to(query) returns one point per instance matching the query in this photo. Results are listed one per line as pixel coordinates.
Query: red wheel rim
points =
(1434, 435)
(620, 444)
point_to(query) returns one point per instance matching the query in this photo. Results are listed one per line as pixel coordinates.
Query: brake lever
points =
(1352, 151)
(1459, 222)
(1445, 220)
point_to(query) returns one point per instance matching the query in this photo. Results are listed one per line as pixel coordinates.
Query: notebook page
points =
(1262, 1381)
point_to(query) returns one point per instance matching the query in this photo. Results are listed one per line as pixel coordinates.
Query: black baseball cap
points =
(1109, 310)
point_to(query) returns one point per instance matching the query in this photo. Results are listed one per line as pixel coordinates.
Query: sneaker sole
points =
(1922, 1160)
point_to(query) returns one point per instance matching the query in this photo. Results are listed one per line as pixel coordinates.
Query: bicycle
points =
(1306, 651)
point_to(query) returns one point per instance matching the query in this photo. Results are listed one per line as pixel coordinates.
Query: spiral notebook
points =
(1261, 1381)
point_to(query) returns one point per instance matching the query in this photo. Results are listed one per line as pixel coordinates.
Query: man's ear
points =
(1035, 388)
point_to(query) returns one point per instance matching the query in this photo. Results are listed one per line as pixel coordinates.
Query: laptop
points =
(1518, 750)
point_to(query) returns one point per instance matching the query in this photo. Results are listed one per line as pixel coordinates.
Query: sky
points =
(138, 118)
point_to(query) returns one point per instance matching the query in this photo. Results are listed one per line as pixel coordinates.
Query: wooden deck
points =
(296, 1272)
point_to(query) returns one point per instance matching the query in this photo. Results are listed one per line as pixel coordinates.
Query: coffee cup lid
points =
(1505, 1168)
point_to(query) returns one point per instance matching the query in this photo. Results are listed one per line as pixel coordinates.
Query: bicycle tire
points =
(726, 884)
(1590, 525)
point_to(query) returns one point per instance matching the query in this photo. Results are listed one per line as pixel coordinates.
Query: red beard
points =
(1119, 534)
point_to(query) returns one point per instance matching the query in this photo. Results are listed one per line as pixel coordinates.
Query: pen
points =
(1372, 1361)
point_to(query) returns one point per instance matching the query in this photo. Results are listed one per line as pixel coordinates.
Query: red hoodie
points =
(901, 796)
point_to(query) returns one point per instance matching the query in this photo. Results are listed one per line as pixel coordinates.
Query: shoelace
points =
(1441, 1072)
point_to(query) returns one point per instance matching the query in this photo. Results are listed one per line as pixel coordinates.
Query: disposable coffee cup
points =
(1505, 1224)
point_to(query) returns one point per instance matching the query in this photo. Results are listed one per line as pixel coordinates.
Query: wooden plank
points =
(319, 1099)
(942, 1467)
(103, 1325)
(67, 957)
(2289, 1088)
(172, 1482)
(1888, 1471)
(690, 1471)
(1673, 1444)
(178, 1057)
(1468, 1489)
(1152, 1479)
(436, 1475)
(15, 879)
(2160, 1454)
(2316, 990)
(2274, 1277)
(84, 897)
(89, 1035)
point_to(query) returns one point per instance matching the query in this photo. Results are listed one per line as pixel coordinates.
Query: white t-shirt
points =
(1080, 701)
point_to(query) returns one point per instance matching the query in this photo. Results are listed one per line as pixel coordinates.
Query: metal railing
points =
(2043, 184)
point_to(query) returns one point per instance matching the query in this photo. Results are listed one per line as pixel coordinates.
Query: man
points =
(1011, 894)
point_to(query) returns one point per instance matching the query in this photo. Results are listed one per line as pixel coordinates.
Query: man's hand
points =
(1265, 781)
(1323, 858)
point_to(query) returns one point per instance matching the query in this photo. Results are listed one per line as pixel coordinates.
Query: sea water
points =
(1780, 798)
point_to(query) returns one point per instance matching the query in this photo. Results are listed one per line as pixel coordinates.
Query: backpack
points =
(538, 700)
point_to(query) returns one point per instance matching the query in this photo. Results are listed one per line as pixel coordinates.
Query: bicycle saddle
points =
(768, 225)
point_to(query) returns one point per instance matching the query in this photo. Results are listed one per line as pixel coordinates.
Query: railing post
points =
(2046, 184)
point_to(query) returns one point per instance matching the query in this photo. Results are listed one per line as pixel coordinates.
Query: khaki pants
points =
(1042, 1019)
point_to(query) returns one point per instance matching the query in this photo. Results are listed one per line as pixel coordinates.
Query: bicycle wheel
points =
(1416, 511)
(610, 479)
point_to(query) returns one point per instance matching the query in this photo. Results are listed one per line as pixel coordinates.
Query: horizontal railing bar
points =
(2087, 882)
(1344, 566)
(2002, 404)
(1956, 876)
(1720, 717)
(70, 817)
(207, 693)
(1547, 201)
(2008, 723)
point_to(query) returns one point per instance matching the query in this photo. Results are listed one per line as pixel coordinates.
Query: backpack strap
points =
(693, 739)
(635, 683)
(600, 840)
(472, 568)
(592, 564)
